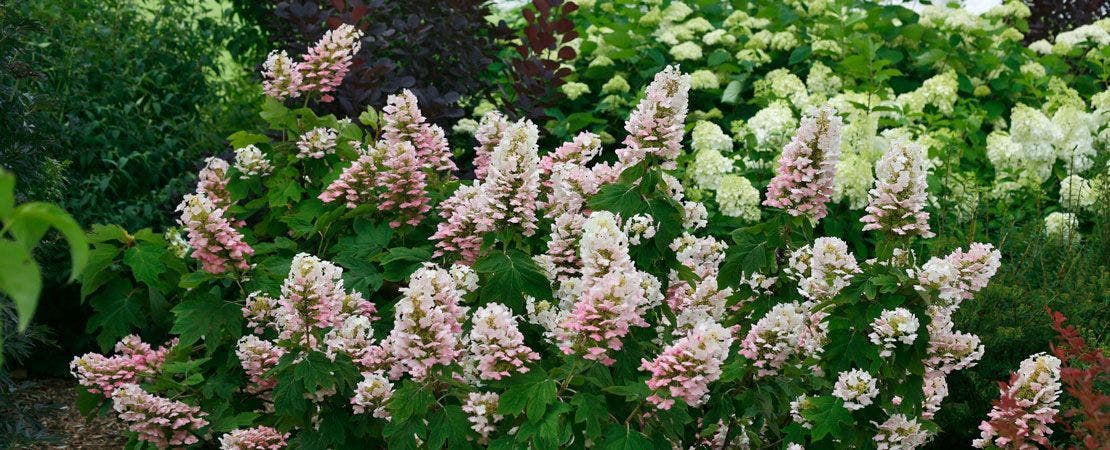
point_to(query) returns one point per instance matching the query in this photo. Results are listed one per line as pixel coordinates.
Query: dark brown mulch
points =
(48, 414)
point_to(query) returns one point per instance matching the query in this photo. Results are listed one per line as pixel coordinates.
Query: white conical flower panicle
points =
(897, 202)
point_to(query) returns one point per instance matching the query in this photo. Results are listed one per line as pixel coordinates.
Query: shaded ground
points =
(44, 412)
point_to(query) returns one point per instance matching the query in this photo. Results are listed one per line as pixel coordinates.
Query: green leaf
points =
(530, 392)
(828, 416)
(590, 410)
(410, 400)
(20, 279)
(104, 233)
(53, 216)
(401, 262)
(508, 277)
(449, 425)
(7, 194)
(621, 198)
(207, 316)
(242, 139)
(117, 313)
(99, 269)
(619, 437)
(731, 95)
(145, 261)
(800, 53)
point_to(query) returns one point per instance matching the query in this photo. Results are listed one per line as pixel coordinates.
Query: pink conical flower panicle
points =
(403, 121)
(215, 243)
(656, 126)
(427, 324)
(257, 438)
(1028, 405)
(135, 362)
(280, 77)
(157, 420)
(512, 185)
(803, 182)
(327, 63)
(312, 298)
(497, 344)
(684, 369)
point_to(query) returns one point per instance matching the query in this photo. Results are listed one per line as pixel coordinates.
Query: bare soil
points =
(45, 410)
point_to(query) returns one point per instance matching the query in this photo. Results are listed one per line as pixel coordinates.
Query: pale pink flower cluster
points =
(703, 255)
(482, 407)
(322, 70)
(822, 269)
(856, 387)
(136, 361)
(900, 433)
(579, 151)
(427, 325)
(512, 183)
(354, 338)
(257, 357)
(312, 298)
(403, 122)
(702, 299)
(896, 204)
(1028, 405)
(250, 162)
(316, 143)
(798, 407)
(492, 126)
(775, 338)
(280, 77)
(260, 310)
(562, 248)
(954, 278)
(497, 344)
(935, 390)
(373, 394)
(611, 294)
(949, 350)
(157, 420)
(395, 170)
(212, 181)
(803, 182)
(893, 326)
(458, 233)
(215, 242)
(640, 228)
(656, 126)
(257, 438)
(685, 368)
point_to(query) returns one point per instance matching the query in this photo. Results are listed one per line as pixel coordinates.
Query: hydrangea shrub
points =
(339, 286)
